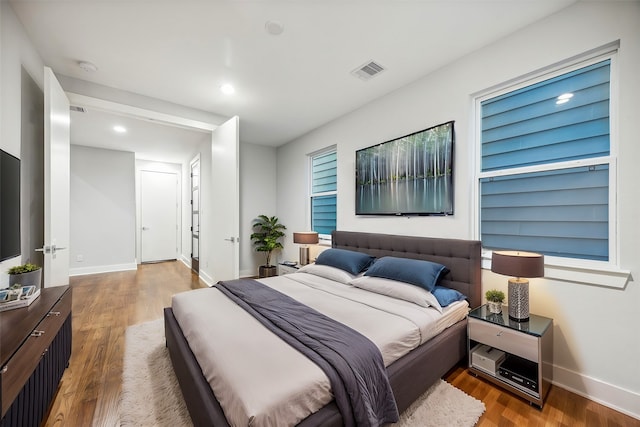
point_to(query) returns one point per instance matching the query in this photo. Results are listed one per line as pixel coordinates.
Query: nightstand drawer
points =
(505, 339)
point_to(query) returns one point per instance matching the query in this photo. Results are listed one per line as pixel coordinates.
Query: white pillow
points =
(328, 272)
(399, 290)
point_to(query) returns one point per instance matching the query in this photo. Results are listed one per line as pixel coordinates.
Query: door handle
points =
(50, 249)
(145, 228)
(231, 239)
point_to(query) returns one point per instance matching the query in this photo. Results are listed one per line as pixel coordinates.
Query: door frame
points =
(145, 114)
(195, 261)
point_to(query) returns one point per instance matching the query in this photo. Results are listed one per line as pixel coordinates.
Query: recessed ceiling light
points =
(227, 89)
(120, 129)
(88, 66)
(274, 28)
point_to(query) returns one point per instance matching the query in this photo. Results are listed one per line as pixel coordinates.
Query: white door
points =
(56, 182)
(225, 212)
(158, 216)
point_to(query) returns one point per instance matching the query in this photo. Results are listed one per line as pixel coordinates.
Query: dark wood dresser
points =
(35, 347)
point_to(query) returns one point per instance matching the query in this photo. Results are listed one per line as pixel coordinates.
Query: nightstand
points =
(287, 269)
(525, 366)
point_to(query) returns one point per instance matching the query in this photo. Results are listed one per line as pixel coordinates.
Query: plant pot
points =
(267, 271)
(31, 278)
(494, 307)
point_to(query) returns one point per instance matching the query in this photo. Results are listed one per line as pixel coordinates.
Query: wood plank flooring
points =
(104, 305)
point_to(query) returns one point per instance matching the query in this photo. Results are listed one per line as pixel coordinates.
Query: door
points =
(56, 182)
(225, 213)
(158, 216)
(195, 214)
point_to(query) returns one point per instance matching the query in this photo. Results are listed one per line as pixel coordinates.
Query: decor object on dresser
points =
(410, 175)
(35, 351)
(266, 236)
(26, 275)
(305, 238)
(495, 298)
(520, 265)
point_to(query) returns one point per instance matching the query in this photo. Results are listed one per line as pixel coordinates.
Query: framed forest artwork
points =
(410, 175)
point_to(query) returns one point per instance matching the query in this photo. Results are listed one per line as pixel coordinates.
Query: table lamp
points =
(521, 266)
(305, 238)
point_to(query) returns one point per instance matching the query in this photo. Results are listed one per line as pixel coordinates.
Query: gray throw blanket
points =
(352, 362)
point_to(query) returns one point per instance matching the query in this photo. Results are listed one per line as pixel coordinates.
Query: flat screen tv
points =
(410, 175)
(9, 206)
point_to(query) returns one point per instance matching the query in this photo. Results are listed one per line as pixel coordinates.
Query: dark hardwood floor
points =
(104, 305)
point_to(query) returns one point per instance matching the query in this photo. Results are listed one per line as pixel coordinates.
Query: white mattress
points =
(260, 380)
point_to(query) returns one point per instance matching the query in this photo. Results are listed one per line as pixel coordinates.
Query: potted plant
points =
(495, 298)
(25, 275)
(267, 232)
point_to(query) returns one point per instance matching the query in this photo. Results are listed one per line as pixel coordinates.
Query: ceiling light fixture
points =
(274, 28)
(227, 89)
(87, 66)
(120, 129)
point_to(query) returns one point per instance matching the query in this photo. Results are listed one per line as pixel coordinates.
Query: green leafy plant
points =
(267, 232)
(494, 295)
(24, 268)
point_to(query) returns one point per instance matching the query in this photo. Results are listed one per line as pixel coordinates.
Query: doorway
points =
(159, 205)
(195, 214)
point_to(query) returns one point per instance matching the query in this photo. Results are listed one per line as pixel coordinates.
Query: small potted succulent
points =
(25, 275)
(495, 298)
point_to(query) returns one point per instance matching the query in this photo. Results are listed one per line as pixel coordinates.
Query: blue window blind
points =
(557, 210)
(324, 192)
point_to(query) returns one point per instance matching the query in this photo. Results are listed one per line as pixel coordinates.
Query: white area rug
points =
(151, 395)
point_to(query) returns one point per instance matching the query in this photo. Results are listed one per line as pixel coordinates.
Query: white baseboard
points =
(102, 269)
(610, 395)
(186, 260)
(248, 273)
(206, 278)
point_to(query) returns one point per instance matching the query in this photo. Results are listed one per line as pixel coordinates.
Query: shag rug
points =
(151, 395)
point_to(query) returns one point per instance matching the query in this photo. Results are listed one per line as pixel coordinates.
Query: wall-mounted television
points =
(9, 206)
(410, 175)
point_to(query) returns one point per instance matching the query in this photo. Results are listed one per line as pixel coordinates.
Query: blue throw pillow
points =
(425, 274)
(446, 296)
(350, 261)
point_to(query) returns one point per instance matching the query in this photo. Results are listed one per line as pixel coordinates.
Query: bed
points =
(409, 376)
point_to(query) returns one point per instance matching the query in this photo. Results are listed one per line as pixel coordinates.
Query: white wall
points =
(597, 346)
(257, 196)
(103, 211)
(16, 52)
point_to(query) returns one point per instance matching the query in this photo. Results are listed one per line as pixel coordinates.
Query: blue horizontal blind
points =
(323, 214)
(528, 127)
(324, 192)
(559, 212)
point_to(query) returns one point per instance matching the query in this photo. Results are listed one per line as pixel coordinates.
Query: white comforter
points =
(260, 380)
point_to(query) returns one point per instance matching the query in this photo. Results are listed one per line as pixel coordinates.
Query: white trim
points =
(139, 113)
(588, 272)
(606, 394)
(102, 269)
(206, 278)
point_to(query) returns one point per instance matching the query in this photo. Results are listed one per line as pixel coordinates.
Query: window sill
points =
(604, 275)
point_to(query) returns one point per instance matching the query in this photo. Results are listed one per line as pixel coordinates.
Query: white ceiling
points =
(182, 51)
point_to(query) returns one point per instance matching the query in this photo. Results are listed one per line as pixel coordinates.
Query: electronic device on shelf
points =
(520, 371)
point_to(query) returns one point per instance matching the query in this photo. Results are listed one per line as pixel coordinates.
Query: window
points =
(547, 171)
(324, 192)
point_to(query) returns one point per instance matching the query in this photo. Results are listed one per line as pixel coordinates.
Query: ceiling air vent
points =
(368, 70)
(77, 108)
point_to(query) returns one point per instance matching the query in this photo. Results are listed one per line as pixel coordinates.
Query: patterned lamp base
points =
(519, 300)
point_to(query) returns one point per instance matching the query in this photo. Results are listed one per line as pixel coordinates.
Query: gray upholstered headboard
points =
(461, 257)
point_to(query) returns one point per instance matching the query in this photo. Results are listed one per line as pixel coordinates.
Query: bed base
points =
(410, 376)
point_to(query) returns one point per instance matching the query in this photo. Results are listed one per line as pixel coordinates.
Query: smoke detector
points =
(368, 70)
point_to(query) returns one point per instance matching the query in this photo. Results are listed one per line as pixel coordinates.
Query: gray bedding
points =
(352, 362)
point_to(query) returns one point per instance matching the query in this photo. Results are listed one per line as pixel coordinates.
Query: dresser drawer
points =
(505, 339)
(22, 364)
